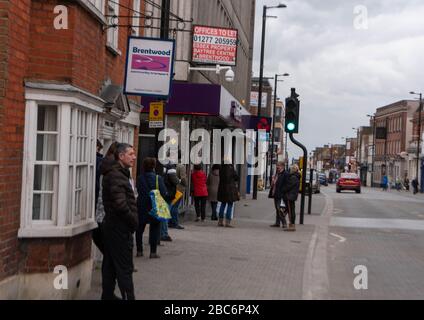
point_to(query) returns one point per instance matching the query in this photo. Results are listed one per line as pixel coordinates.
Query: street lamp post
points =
(419, 132)
(273, 115)
(261, 75)
(373, 147)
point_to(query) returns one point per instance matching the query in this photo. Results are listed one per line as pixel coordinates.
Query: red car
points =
(349, 181)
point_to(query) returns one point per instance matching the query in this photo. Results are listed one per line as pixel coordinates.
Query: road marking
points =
(315, 273)
(341, 239)
(368, 223)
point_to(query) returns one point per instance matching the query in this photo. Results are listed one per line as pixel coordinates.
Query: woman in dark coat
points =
(227, 193)
(291, 191)
(146, 182)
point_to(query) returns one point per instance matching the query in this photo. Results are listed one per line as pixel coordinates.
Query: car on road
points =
(348, 181)
(323, 179)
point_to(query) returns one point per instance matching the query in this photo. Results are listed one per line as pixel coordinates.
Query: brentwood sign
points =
(149, 67)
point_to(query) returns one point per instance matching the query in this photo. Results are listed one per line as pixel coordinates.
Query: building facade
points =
(62, 68)
(393, 136)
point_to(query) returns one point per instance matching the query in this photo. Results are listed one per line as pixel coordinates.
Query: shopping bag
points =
(160, 209)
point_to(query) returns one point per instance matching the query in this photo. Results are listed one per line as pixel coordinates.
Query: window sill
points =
(115, 51)
(56, 232)
(94, 11)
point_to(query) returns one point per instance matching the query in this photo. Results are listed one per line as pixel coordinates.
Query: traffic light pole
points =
(303, 182)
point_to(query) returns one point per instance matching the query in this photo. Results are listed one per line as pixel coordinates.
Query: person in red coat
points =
(199, 191)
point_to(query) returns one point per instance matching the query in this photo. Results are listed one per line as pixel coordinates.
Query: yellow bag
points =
(178, 196)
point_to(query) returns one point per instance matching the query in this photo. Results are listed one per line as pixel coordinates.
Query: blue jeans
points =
(174, 214)
(164, 229)
(229, 206)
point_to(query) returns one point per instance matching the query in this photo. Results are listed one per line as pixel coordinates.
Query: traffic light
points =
(292, 113)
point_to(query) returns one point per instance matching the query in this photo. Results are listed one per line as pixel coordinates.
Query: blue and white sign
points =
(149, 67)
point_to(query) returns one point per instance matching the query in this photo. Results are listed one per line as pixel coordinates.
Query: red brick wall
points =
(30, 48)
(14, 35)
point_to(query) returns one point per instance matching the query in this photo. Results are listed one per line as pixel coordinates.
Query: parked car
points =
(348, 181)
(323, 179)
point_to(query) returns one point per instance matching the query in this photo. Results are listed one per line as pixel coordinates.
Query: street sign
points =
(156, 115)
(149, 67)
(214, 45)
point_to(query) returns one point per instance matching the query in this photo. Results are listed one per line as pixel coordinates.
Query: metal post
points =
(373, 152)
(261, 76)
(305, 159)
(419, 138)
(273, 122)
(311, 176)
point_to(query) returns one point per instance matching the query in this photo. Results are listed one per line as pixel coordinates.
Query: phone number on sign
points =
(215, 40)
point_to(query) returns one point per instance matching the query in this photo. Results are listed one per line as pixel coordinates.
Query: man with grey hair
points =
(120, 222)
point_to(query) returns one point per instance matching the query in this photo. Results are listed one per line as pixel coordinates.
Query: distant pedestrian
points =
(120, 222)
(146, 182)
(171, 182)
(181, 187)
(415, 185)
(384, 183)
(291, 189)
(200, 192)
(277, 187)
(406, 183)
(213, 185)
(227, 193)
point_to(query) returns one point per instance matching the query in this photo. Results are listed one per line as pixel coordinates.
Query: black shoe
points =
(154, 256)
(114, 297)
(139, 254)
(166, 239)
(274, 225)
(214, 218)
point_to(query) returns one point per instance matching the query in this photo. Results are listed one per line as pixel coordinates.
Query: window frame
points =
(112, 35)
(61, 225)
(136, 18)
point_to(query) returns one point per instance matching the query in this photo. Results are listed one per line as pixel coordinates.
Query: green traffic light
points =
(291, 126)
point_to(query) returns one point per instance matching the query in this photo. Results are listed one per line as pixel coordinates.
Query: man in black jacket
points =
(278, 183)
(120, 222)
(291, 191)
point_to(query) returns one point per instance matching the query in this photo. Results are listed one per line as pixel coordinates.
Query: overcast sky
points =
(342, 73)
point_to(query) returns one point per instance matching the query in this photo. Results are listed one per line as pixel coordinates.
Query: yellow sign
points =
(156, 115)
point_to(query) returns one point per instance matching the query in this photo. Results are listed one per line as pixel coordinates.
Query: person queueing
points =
(200, 192)
(278, 182)
(227, 194)
(171, 182)
(181, 187)
(146, 182)
(213, 184)
(291, 190)
(119, 224)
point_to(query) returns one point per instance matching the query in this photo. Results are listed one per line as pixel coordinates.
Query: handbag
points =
(178, 196)
(160, 209)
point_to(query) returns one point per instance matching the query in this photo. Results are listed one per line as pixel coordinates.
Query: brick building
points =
(60, 90)
(391, 149)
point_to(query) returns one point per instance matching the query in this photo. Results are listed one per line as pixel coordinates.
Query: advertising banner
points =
(149, 67)
(214, 45)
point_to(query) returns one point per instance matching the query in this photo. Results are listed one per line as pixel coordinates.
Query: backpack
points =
(160, 209)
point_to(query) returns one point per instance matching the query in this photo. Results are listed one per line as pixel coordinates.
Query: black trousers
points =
(200, 206)
(154, 235)
(292, 211)
(98, 238)
(214, 205)
(117, 263)
(279, 216)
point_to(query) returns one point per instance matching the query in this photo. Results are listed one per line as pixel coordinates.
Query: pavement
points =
(252, 261)
(382, 232)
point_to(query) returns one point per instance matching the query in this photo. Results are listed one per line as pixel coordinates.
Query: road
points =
(381, 231)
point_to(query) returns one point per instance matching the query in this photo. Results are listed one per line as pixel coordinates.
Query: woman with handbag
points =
(147, 182)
